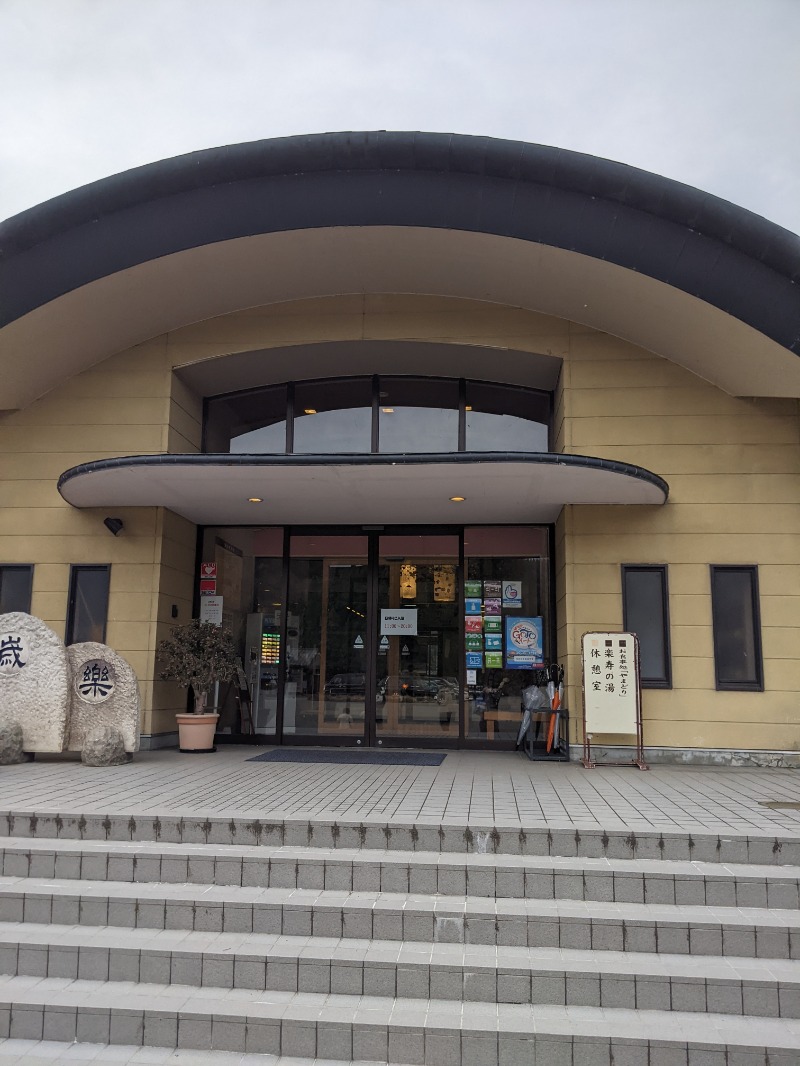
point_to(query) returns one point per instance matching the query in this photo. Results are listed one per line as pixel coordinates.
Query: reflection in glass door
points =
(417, 639)
(327, 640)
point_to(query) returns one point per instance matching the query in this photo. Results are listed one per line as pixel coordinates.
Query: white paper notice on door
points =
(211, 609)
(399, 621)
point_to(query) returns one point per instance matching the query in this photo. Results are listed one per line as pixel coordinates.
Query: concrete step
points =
(760, 988)
(574, 924)
(365, 869)
(415, 837)
(345, 1028)
(15, 1052)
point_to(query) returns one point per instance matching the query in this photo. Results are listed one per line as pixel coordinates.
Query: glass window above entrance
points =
(388, 414)
(332, 417)
(418, 415)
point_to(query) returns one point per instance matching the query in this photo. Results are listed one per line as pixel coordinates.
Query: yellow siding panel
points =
(667, 402)
(744, 488)
(185, 423)
(781, 610)
(83, 439)
(597, 373)
(589, 432)
(84, 412)
(720, 548)
(679, 518)
(706, 459)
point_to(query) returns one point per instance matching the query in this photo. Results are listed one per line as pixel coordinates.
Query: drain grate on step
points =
(780, 805)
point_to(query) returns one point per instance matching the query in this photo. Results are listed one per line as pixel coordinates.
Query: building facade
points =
(418, 410)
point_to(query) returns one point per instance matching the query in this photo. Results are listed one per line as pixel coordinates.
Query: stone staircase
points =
(303, 941)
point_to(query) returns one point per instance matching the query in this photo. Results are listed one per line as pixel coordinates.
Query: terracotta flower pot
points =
(196, 732)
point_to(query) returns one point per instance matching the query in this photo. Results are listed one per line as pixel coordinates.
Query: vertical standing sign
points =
(612, 696)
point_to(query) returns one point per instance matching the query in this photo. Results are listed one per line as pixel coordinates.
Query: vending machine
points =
(263, 652)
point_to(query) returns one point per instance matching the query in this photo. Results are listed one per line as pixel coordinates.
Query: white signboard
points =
(211, 609)
(399, 621)
(610, 681)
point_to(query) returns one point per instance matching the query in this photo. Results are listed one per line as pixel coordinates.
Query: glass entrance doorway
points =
(328, 646)
(381, 637)
(417, 637)
(372, 652)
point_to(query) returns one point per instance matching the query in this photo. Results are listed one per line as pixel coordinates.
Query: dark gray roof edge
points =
(194, 459)
(741, 229)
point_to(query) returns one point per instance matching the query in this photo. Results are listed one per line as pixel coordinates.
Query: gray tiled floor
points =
(504, 789)
(49, 1052)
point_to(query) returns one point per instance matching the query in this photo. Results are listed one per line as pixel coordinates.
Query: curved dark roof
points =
(695, 242)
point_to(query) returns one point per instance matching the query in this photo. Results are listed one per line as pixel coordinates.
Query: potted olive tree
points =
(196, 655)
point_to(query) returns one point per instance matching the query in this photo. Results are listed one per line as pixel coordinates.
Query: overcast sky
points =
(704, 91)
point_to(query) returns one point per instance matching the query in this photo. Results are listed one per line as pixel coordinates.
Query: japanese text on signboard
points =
(610, 662)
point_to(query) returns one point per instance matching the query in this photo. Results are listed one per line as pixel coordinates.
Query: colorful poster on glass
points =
(512, 594)
(472, 589)
(493, 623)
(472, 606)
(473, 623)
(524, 643)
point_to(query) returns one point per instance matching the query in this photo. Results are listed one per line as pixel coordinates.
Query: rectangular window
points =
(16, 583)
(737, 628)
(87, 610)
(645, 612)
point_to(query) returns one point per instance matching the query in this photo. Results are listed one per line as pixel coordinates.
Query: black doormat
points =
(353, 756)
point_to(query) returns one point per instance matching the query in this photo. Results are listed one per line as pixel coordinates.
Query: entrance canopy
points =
(664, 266)
(365, 489)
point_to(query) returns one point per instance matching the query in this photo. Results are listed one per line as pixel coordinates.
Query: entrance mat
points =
(352, 756)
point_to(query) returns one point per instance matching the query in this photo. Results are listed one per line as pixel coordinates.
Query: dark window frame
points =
(18, 567)
(543, 397)
(664, 682)
(722, 685)
(74, 570)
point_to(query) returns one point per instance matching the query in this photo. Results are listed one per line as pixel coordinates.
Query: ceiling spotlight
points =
(309, 410)
(457, 499)
(387, 410)
(254, 499)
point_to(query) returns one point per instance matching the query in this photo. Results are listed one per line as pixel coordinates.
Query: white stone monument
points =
(104, 693)
(34, 681)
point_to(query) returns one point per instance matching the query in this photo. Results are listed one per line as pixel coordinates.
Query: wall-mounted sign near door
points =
(211, 610)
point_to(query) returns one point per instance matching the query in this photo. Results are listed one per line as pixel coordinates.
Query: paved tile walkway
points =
(482, 788)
